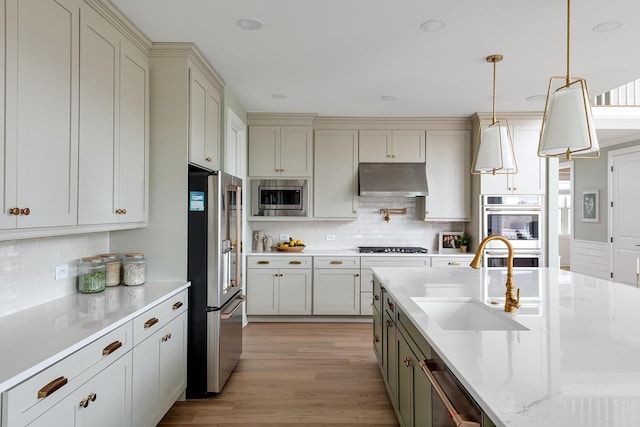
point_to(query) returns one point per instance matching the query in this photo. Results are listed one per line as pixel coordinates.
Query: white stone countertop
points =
(352, 252)
(35, 338)
(576, 364)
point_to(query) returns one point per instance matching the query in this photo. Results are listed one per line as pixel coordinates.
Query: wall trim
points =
(591, 258)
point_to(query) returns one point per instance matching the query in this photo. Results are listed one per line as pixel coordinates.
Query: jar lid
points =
(92, 259)
(108, 255)
(134, 255)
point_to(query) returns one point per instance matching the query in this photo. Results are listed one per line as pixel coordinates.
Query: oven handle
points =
(516, 209)
(459, 419)
(516, 253)
(227, 315)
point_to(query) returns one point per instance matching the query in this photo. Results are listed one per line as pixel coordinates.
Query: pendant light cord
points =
(494, 90)
(568, 40)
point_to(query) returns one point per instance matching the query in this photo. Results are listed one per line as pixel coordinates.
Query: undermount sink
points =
(467, 315)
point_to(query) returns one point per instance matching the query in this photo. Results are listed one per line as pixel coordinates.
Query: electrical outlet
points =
(284, 237)
(329, 237)
(62, 271)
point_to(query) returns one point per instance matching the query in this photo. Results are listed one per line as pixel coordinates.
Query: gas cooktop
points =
(391, 250)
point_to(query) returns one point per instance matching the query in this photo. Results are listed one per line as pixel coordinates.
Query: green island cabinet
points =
(400, 347)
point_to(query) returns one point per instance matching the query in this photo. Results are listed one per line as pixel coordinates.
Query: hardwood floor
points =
(294, 374)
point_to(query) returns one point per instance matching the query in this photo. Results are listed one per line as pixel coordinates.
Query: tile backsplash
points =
(369, 229)
(27, 268)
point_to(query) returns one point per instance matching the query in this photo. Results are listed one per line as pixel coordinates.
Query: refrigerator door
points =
(225, 342)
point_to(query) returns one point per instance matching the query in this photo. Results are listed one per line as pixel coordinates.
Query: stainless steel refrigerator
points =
(214, 269)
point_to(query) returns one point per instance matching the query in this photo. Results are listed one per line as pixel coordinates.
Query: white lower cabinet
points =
(451, 261)
(336, 285)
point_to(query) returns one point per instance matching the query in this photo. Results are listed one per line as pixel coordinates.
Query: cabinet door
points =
(448, 174)
(406, 365)
(530, 178)
(335, 174)
(264, 151)
(197, 116)
(261, 290)
(408, 146)
(212, 144)
(99, 81)
(375, 146)
(132, 196)
(296, 157)
(146, 381)
(390, 356)
(42, 88)
(336, 291)
(173, 362)
(294, 291)
(377, 334)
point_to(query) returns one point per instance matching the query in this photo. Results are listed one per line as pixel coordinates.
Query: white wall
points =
(27, 268)
(369, 229)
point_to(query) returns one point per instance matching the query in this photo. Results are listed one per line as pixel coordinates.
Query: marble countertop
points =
(38, 337)
(575, 363)
(352, 252)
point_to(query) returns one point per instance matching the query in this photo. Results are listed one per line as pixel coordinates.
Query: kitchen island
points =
(570, 355)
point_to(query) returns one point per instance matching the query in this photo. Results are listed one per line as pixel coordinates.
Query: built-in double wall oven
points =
(519, 219)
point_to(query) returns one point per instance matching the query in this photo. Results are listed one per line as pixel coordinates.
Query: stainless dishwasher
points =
(451, 405)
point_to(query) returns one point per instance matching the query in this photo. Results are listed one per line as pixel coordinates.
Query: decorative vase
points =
(463, 249)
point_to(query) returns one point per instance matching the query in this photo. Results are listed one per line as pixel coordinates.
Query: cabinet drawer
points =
(155, 318)
(40, 392)
(336, 262)
(395, 261)
(450, 261)
(413, 334)
(280, 262)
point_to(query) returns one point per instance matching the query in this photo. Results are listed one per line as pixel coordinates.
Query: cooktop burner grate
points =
(392, 250)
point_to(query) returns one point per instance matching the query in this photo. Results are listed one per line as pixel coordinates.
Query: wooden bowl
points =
(290, 248)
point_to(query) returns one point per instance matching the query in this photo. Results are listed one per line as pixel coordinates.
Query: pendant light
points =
(494, 149)
(567, 124)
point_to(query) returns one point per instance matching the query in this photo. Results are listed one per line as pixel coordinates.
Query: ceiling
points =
(339, 57)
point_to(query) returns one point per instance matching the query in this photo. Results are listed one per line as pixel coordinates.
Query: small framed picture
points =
(449, 242)
(590, 206)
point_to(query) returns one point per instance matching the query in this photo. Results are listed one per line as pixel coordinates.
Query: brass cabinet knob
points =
(208, 159)
(124, 211)
(25, 211)
(376, 339)
(357, 275)
(84, 403)
(14, 211)
(389, 323)
(376, 297)
(92, 397)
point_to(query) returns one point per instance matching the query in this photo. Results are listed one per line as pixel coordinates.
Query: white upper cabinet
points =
(113, 153)
(448, 176)
(282, 151)
(41, 129)
(204, 120)
(336, 174)
(400, 146)
(530, 178)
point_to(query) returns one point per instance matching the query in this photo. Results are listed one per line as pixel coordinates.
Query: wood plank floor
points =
(310, 374)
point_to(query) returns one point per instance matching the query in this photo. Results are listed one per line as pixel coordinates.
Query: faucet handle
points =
(518, 298)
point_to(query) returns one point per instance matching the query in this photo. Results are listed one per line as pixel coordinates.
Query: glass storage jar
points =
(91, 275)
(134, 269)
(112, 266)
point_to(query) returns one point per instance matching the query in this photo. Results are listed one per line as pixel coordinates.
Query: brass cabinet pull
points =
(124, 211)
(149, 323)
(454, 263)
(295, 262)
(166, 338)
(177, 305)
(14, 211)
(111, 348)
(376, 297)
(84, 403)
(50, 388)
(376, 339)
(208, 159)
(335, 262)
(390, 304)
(25, 211)
(263, 262)
(389, 323)
(459, 420)
(357, 275)
(91, 398)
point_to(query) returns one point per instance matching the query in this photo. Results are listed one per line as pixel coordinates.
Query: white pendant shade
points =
(495, 152)
(568, 126)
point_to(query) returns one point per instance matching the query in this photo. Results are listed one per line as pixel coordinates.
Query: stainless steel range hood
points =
(393, 179)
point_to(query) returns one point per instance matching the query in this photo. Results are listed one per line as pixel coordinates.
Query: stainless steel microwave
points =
(279, 197)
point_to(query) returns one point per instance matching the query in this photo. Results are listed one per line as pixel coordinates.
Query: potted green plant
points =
(465, 239)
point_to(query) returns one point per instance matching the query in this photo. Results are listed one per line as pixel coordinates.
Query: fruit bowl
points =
(290, 248)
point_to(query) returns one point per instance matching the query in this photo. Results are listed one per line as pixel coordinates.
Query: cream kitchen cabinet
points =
(530, 178)
(336, 285)
(400, 146)
(448, 175)
(159, 359)
(335, 174)
(41, 100)
(279, 285)
(451, 261)
(280, 151)
(204, 120)
(114, 118)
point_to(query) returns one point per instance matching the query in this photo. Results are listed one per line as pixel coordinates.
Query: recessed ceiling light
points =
(536, 98)
(250, 24)
(278, 96)
(433, 25)
(605, 27)
(388, 98)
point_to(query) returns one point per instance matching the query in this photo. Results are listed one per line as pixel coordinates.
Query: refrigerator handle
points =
(237, 246)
